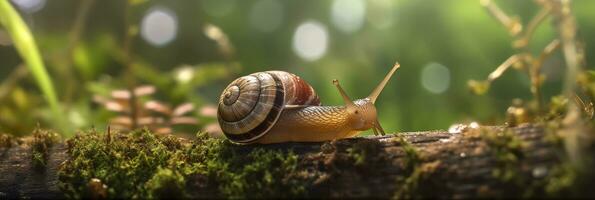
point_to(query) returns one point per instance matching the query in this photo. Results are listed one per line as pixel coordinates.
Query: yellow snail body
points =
(276, 106)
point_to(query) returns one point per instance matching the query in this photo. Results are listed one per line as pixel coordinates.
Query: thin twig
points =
(224, 45)
(522, 40)
(503, 67)
(531, 27)
(131, 81)
(513, 25)
(574, 131)
(535, 69)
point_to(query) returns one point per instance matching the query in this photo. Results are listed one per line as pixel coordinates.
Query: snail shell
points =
(250, 105)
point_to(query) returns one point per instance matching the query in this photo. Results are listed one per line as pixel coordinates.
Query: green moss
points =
(417, 179)
(510, 172)
(166, 184)
(568, 179)
(562, 179)
(124, 164)
(143, 165)
(418, 183)
(412, 156)
(506, 148)
(551, 133)
(257, 173)
(260, 177)
(43, 140)
(365, 153)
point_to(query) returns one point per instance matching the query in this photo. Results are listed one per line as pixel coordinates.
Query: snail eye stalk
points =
(374, 95)
(346, 98)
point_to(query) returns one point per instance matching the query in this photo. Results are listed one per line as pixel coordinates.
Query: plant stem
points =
(25, 45)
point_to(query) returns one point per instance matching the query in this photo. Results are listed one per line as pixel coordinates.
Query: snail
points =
(277, 106)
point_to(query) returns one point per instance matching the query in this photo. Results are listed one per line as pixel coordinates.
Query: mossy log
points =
(483, 162)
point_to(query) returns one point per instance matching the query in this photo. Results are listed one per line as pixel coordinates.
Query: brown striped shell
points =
(250, 105)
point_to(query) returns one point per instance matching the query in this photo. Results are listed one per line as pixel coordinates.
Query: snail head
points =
(362, 112)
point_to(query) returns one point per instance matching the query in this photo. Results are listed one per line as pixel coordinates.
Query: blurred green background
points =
(190, 50)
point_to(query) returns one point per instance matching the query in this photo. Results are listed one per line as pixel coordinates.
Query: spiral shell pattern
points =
(250, 106)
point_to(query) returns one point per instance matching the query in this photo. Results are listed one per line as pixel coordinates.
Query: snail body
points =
(277, 106)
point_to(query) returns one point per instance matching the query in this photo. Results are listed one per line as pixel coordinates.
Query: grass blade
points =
(26, 47)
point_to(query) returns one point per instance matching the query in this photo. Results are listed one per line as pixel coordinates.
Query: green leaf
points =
(25, 45)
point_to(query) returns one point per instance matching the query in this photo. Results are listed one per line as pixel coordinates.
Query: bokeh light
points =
(184, 74)
(29, 6)
(266, 15)
(348, 15)
(310, 40)
(159, 26)
(435, 78)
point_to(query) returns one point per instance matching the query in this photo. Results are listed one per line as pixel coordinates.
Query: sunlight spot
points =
(381, 13)
(435, 78)
(30, 6)
(214, 32)
(218, 8)
(159, 26)
(474, 125)
(76, 118)
(310, 41)
(539, 171)
(185, 74)
(348, 15)
(266, 15)
(446, 140)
